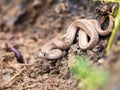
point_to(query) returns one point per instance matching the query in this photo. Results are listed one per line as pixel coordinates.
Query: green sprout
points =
(92, 78)
(115, 30)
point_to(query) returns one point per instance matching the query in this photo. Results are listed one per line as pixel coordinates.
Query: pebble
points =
(95, 50)
(101, 61)
(7, 76)
(90, 54)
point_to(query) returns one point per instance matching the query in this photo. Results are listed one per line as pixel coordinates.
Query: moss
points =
(93, 78)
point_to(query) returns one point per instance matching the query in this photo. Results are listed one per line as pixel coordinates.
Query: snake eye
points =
(43, 54)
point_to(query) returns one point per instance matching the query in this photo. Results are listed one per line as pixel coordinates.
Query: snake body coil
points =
(92, 28)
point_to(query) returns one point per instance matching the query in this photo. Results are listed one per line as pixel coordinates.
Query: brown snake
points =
(92, 28)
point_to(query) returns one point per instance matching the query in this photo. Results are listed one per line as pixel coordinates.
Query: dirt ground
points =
(30, 24)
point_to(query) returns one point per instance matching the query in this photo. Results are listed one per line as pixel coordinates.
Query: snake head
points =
(43, 54)
(103, 9)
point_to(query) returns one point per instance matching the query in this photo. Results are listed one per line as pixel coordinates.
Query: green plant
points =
(92, 78)
(115, 29)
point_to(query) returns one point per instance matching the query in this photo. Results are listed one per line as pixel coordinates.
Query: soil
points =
(29, 24)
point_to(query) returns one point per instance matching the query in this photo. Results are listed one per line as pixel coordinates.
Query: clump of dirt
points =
(35, 22)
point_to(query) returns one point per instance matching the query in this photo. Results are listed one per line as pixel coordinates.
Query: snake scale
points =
(85, 27)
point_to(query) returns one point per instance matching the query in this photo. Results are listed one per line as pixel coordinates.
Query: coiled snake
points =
(92, 28)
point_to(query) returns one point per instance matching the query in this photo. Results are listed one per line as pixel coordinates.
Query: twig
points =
(1, 60)
(17, 69)
(31, 86)
(15, 76)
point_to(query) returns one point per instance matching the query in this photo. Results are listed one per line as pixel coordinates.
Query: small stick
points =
(14, 76)
(17, 69)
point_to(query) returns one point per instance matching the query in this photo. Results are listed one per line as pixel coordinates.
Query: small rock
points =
(90, 54)
(7, 76)
(45, 76)
(104, 43)
(101, 61)
(95, 50)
